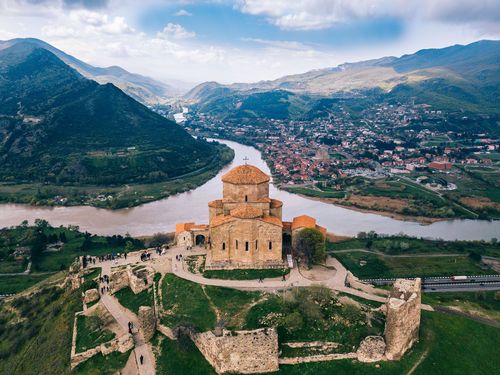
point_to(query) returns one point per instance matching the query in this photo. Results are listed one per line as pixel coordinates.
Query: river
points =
(161, 216)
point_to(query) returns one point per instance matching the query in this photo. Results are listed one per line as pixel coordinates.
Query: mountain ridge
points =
(142, 88)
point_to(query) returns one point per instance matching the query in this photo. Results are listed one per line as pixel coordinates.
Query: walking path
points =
(123, 317)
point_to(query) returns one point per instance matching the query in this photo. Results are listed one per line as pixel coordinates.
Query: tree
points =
(129, 246)
(310, 246)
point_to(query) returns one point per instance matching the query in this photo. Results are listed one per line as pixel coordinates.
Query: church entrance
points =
(287, 244)
(200, 240)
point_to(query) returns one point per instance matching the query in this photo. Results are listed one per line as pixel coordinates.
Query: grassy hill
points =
(59, 127)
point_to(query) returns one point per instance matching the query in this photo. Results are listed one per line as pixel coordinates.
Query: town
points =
(331, 157)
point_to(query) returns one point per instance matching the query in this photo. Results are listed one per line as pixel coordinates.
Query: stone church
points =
(245, 227)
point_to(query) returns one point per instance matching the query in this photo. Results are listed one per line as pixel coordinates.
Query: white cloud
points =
(175, 31)
(320, 14)
(183, 13)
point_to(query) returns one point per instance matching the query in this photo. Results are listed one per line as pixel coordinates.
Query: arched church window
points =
(246, 198)
(256, 244)
(236, 244)
(270, 245)
(246, 245)
(223, 246)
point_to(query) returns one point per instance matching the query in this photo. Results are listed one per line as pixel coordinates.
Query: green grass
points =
(250, 274)
(103, 365)
(305, 314)
(91, 332)
(186, 304)
(391, 267)
(13, 266)
(41, 343)
(181, 357)
(92, 275)
(485, 302)
(16, 284)
(231, 303)
(396, 245)
(132, 301)
(450, 352)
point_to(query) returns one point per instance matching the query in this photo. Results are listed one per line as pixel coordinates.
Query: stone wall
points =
(147, 321)
(118, 279)
(90, 295)
(237, 193)
(121, 344)
(403, 317)
(254, 231)
(244, 352)
(138, 279)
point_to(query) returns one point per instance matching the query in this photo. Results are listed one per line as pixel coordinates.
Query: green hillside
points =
(58, 127)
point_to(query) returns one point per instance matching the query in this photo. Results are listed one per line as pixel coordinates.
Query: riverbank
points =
(111, 197)
(392, 215)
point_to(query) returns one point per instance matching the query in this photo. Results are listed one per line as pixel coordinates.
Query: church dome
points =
(245, 175)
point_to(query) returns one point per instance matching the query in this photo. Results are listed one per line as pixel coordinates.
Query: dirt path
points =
(123, 317)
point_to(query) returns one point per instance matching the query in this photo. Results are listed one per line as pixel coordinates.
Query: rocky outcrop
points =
(403, 317)
(244, 352)
(371, 349)
(90, 295)
(147, 320)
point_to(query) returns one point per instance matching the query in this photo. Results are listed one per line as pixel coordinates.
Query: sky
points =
(245, 40)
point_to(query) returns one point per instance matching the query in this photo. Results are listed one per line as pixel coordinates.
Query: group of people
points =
(104, 279)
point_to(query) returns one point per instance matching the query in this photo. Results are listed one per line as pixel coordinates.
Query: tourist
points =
(141, 358)
(284, 278)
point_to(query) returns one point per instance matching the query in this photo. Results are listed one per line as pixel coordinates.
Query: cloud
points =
(283, 44)
(86, 22)
(183, 13)
(321, 14)
(175, 31)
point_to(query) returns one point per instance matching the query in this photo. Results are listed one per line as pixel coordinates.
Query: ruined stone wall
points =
(91, 295)
(137, 280)
(141, 279)
(118, 280)
(403, 317)
(244, 352)
(257, 233)
(147, 320)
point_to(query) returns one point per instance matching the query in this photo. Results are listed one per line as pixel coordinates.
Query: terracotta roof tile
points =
(221, 219)
(303, 221)
(215, 203)
(275, 203)
(273, 220)
(246, 212)
(245, 175)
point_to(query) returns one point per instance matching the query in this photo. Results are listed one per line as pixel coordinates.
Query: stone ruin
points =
(147, 321)
(403, 317)
(244, 352)
(371, 349)
(138, 279)
(91, 295)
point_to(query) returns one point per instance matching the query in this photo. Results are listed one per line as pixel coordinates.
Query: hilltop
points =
(58, 127)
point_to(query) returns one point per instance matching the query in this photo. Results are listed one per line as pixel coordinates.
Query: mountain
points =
(454, 78)
(57, 126)
(144, 89)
